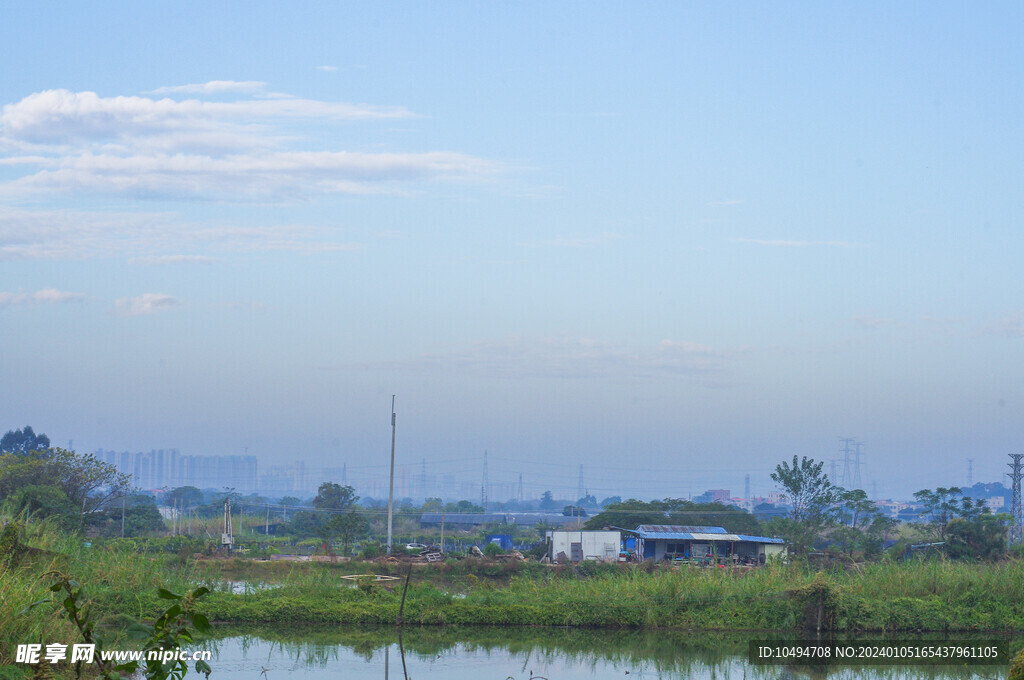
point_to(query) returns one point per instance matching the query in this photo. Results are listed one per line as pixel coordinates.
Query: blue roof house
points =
(702, 544)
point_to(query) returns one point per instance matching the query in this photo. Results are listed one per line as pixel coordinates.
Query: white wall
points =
(597, 545)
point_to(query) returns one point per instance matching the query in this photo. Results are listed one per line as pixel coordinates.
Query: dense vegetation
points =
(894, 595)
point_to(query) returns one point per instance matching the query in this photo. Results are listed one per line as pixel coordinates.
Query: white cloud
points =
(148, 238)
(791, 244)
(271, 176)
(49, 296)
(69, 123)
(71, 234)
(327, 68)
(213, 87)
(75, 144)
(78, 142)
(60, 117)
(147, 303)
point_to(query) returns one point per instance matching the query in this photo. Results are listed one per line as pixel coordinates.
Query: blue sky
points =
(676, 243)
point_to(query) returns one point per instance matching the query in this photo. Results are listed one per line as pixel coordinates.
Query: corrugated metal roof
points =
(715, 537)
(664, 533)
(760, 539)
(678, 529)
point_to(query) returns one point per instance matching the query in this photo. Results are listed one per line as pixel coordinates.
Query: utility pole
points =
(122, 516)
(442, 530)
(266, 527)
(970, 472)
(580, 491)
(227, 536)
(520, 487)
(391, 486)
(1015, 504)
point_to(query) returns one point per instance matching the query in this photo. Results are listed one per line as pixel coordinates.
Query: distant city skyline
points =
(675, 243)
(452, 479)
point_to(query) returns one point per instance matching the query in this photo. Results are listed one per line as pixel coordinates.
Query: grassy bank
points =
(938, 596)
(122, 585)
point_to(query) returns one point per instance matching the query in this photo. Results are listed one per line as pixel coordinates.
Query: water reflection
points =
(276, 652)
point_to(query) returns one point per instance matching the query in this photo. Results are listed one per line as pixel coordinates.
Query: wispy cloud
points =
(77, 142)
(326, 68)
(147, 303)
(1010, 326)
(56, 117)
(565, 356)
(785, 243)
(213, 87)
(575, 241)
(271, 176)
(46, 296)
(172, 259)
(149, 238)
(243, 148)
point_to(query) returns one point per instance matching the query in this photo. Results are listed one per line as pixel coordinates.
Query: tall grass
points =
(122, 583)
(119, 583)
(21, 584)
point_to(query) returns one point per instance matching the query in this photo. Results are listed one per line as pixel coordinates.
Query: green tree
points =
(339, 517)
(184, 496)
(982, 536)
(812, 499)
(967, 527)
(547, 502)
(23, 441)
(141, 517)
(46, 501)
(432, 505)
(346, 527)
(857, 505)
(331, 496)
(632, 513)
(88, 483)
(938, 508)
(464, 507)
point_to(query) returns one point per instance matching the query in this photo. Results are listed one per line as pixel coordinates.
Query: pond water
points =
(288, 652)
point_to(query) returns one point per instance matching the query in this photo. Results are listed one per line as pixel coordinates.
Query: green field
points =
(121, 582)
